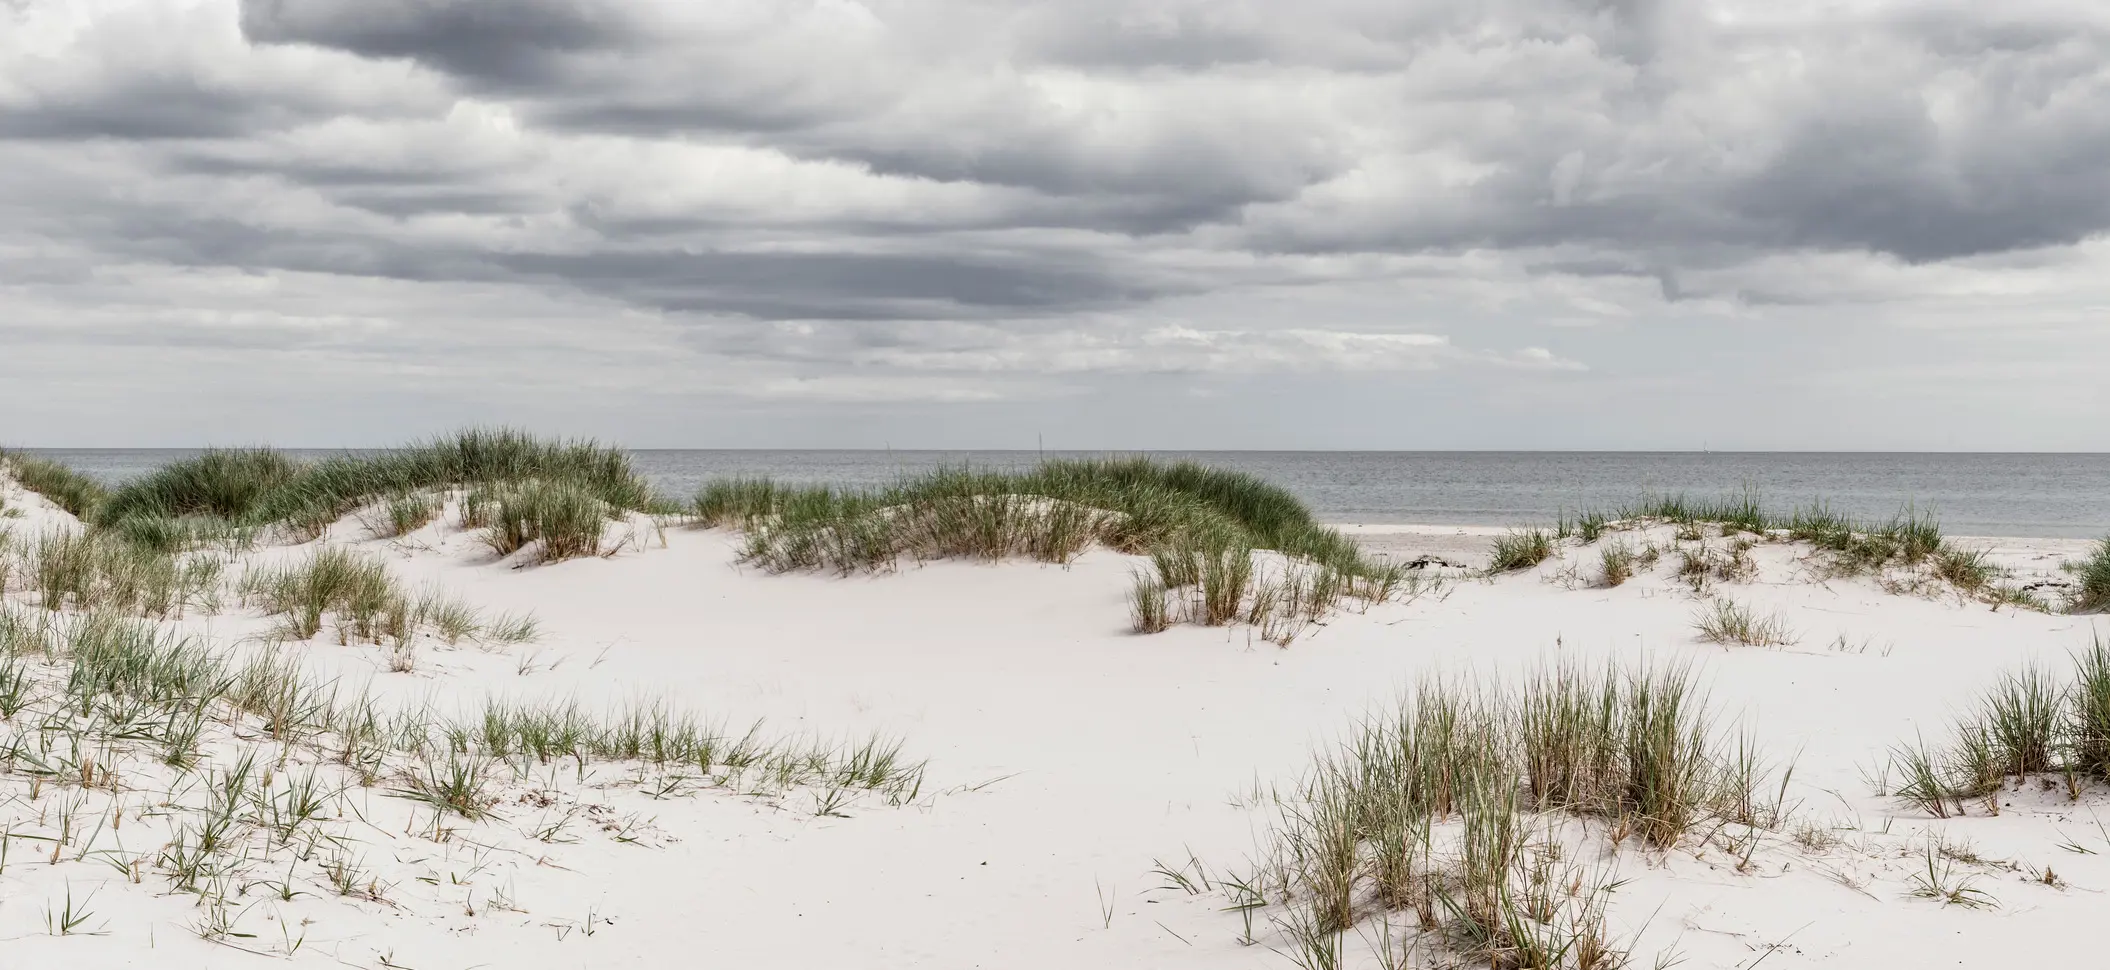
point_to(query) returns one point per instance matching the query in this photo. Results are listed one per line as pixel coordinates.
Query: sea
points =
(2036, 495)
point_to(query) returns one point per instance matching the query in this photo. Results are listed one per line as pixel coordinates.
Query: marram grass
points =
(68, 489)
(557, 492)
(1143, 505)
(355, 595)
(1909, 544)
(1451, 808)
(251, 768)
(2092, 591)
(1201, 526)
(2029, 724)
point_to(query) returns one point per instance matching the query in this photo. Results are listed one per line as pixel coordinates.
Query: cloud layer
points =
(899, 201)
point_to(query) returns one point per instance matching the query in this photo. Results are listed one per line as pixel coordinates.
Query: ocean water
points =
(2049, 495)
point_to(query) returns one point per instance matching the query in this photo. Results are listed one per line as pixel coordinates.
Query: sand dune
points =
(1067, 759)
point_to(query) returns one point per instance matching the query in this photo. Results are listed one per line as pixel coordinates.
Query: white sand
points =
(1066, 756)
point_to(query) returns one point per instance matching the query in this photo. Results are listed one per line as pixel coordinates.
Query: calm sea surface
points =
(1986, 494)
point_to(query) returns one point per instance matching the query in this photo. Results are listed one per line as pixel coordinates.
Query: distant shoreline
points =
(1470, 543)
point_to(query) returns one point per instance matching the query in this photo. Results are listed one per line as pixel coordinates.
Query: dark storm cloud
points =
(515, 42)
(1887, 156)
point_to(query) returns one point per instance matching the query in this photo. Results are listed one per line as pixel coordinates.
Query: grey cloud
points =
(516, 42)
(140, 107)
(917, 187)
(842, 286)
(1851, 157)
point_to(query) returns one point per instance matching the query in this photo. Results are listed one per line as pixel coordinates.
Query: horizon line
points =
(1130, 450)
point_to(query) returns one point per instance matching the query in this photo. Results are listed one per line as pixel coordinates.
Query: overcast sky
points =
(1650, 224)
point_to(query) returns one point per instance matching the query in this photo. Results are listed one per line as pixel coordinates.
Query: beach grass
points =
(1907, 551)
(557, 493)
(354, 594)
(2030, 724)
(86, 570)
(1726, 621)
(78, 494)
(334, 487)
(1147, 608)
(225, 483)
(1201, 526)
(2092, 591)
(1519, 549)
(1450, 809)
(1616, 562)
(254, 769)
(1141, 504)
(563, 519)
(399, 515)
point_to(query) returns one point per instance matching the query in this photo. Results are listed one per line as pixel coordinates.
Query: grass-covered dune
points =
(256, 487)
(1201, 527)
(1131, 504)
(1908, 550)
(1200, 524)
(68, 489)
(521, 488)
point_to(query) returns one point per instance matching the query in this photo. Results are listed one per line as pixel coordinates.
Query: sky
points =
(1088, 224)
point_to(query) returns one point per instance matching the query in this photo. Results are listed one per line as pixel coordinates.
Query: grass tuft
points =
(2030, 724)
(1147, 609)
(356, 594)
(1616, 563)
(2092, 594)
(565, 520)
(1520, 549)
(1725, 621)
(400, 515)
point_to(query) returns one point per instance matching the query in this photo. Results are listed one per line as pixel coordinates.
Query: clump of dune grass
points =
(1226, 577)
(1519, 549)
(1147, 607)
(1969, 570)
(69, 568)
(1616, 563)
(2092, 593)
(225, 483)
(1451, 809)
(62, 486)
(563, 520)
(355, 594)
(2029, 724)
(1590, 526)
(400, 515)
(1725, 621)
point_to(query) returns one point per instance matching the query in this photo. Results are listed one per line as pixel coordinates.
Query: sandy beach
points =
(1041, 485)
(1069, 766)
